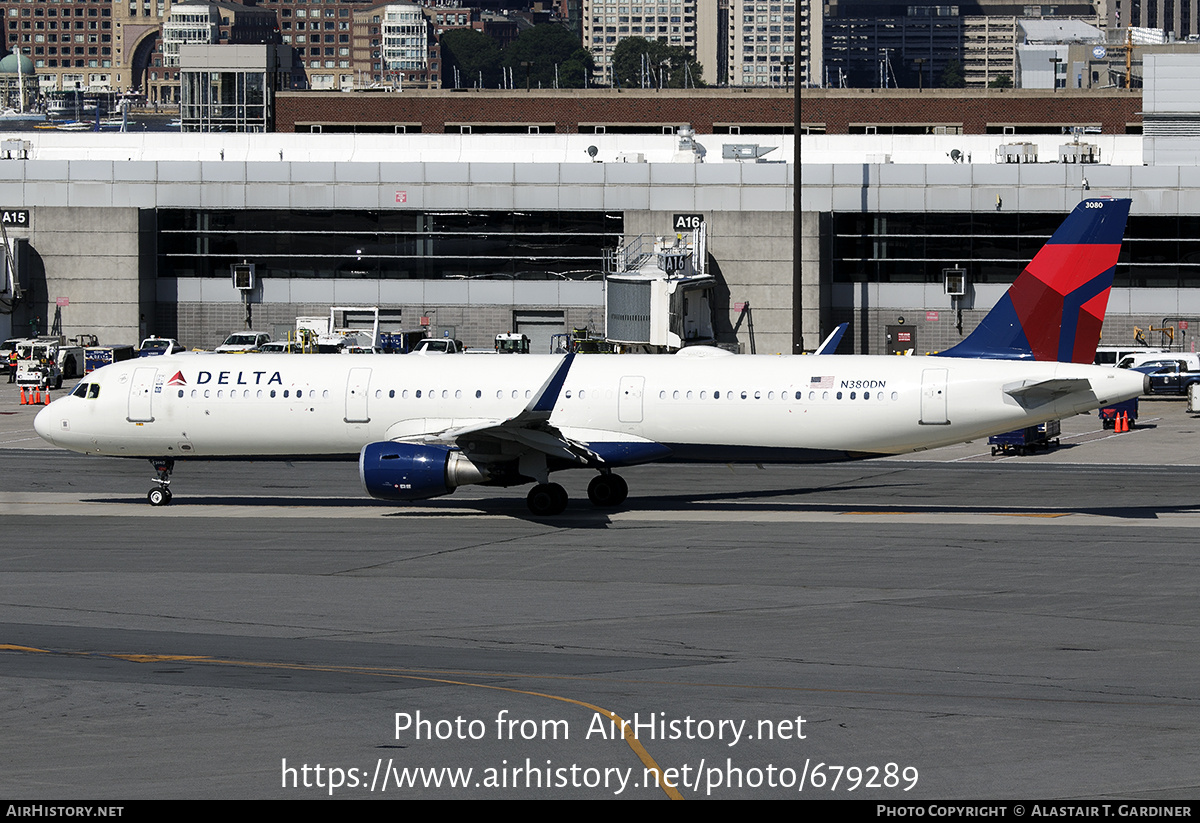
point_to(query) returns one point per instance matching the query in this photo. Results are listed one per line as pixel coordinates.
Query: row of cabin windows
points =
(258, 393)
(770, 395)
(92, 390)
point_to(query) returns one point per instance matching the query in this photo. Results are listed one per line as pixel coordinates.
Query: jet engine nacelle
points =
(406, 471)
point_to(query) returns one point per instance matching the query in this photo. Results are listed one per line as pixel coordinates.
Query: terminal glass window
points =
(1158, 251)
(387, 244)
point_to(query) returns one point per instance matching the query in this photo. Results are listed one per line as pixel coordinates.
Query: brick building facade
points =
(548, 111)
(967, 111)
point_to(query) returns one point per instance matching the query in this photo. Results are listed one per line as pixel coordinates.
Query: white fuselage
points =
(759, 408)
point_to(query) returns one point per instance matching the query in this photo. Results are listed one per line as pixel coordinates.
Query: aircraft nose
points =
(43, 425)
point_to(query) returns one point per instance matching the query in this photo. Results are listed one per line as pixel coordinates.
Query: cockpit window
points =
(93, 391)
(80, 390)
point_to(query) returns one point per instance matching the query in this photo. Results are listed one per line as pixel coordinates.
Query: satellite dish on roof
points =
(592, 151)
(956, 155)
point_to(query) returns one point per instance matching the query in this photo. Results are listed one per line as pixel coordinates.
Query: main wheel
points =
(159, 497)
(547, 499)
(608, 490)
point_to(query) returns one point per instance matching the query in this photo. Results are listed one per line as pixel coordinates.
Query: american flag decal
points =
(821, 382)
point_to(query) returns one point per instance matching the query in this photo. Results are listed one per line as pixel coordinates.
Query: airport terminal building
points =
(901, 193)
(467, 235)
(472, 234)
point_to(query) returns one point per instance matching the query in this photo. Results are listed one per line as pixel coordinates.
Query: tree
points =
(637, 61)
(535, 54)
(472, 52)
(1000, 81)
(576, 72)
(952, 76)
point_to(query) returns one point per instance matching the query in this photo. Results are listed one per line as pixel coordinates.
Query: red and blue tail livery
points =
(1055, 309)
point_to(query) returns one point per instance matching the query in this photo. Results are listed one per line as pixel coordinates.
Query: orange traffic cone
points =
(37, 396)
(1125, 421)
(47, 399)
(24, 399)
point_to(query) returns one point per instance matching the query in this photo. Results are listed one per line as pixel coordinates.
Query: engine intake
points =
(405, 471)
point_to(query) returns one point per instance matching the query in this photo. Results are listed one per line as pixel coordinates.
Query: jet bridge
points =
(658, 293)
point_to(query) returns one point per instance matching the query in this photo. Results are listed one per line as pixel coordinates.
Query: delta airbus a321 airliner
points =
(422, 426)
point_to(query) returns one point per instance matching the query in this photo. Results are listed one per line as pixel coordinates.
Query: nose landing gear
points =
(161, 494)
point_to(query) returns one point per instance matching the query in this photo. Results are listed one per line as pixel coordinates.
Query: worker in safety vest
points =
(12, 364)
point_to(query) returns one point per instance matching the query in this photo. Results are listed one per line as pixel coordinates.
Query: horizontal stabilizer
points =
(1037, 393)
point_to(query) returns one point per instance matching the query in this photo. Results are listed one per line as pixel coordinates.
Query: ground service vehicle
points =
(243, 341)
(155, 346)
(1173, 378)
(46, 361)
(439, 345)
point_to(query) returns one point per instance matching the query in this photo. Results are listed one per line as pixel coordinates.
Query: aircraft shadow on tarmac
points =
(581, 514)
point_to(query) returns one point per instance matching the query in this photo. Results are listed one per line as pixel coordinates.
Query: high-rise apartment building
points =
(393, 46)
(209, 23)
(812, 30)
(76, 44)
(692, 24)
(761, 42)
(989, 49)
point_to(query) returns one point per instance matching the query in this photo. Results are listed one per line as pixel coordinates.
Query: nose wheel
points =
(160, 495)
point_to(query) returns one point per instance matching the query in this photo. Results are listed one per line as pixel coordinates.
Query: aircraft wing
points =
(537, 435)
(1030, 393)
(531, 429)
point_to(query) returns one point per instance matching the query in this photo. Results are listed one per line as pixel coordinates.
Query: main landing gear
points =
(161, 494)
(608, 490)
(547, 499)
(605, 491)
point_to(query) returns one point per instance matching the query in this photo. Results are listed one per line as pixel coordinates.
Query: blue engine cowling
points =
(405, 471)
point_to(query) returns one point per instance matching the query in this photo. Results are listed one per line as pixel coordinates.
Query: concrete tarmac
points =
(946, 626)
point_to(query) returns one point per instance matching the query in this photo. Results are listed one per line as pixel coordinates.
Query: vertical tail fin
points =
(1056, 307)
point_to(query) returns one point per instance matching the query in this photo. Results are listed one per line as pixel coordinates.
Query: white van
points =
(1113, 355)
